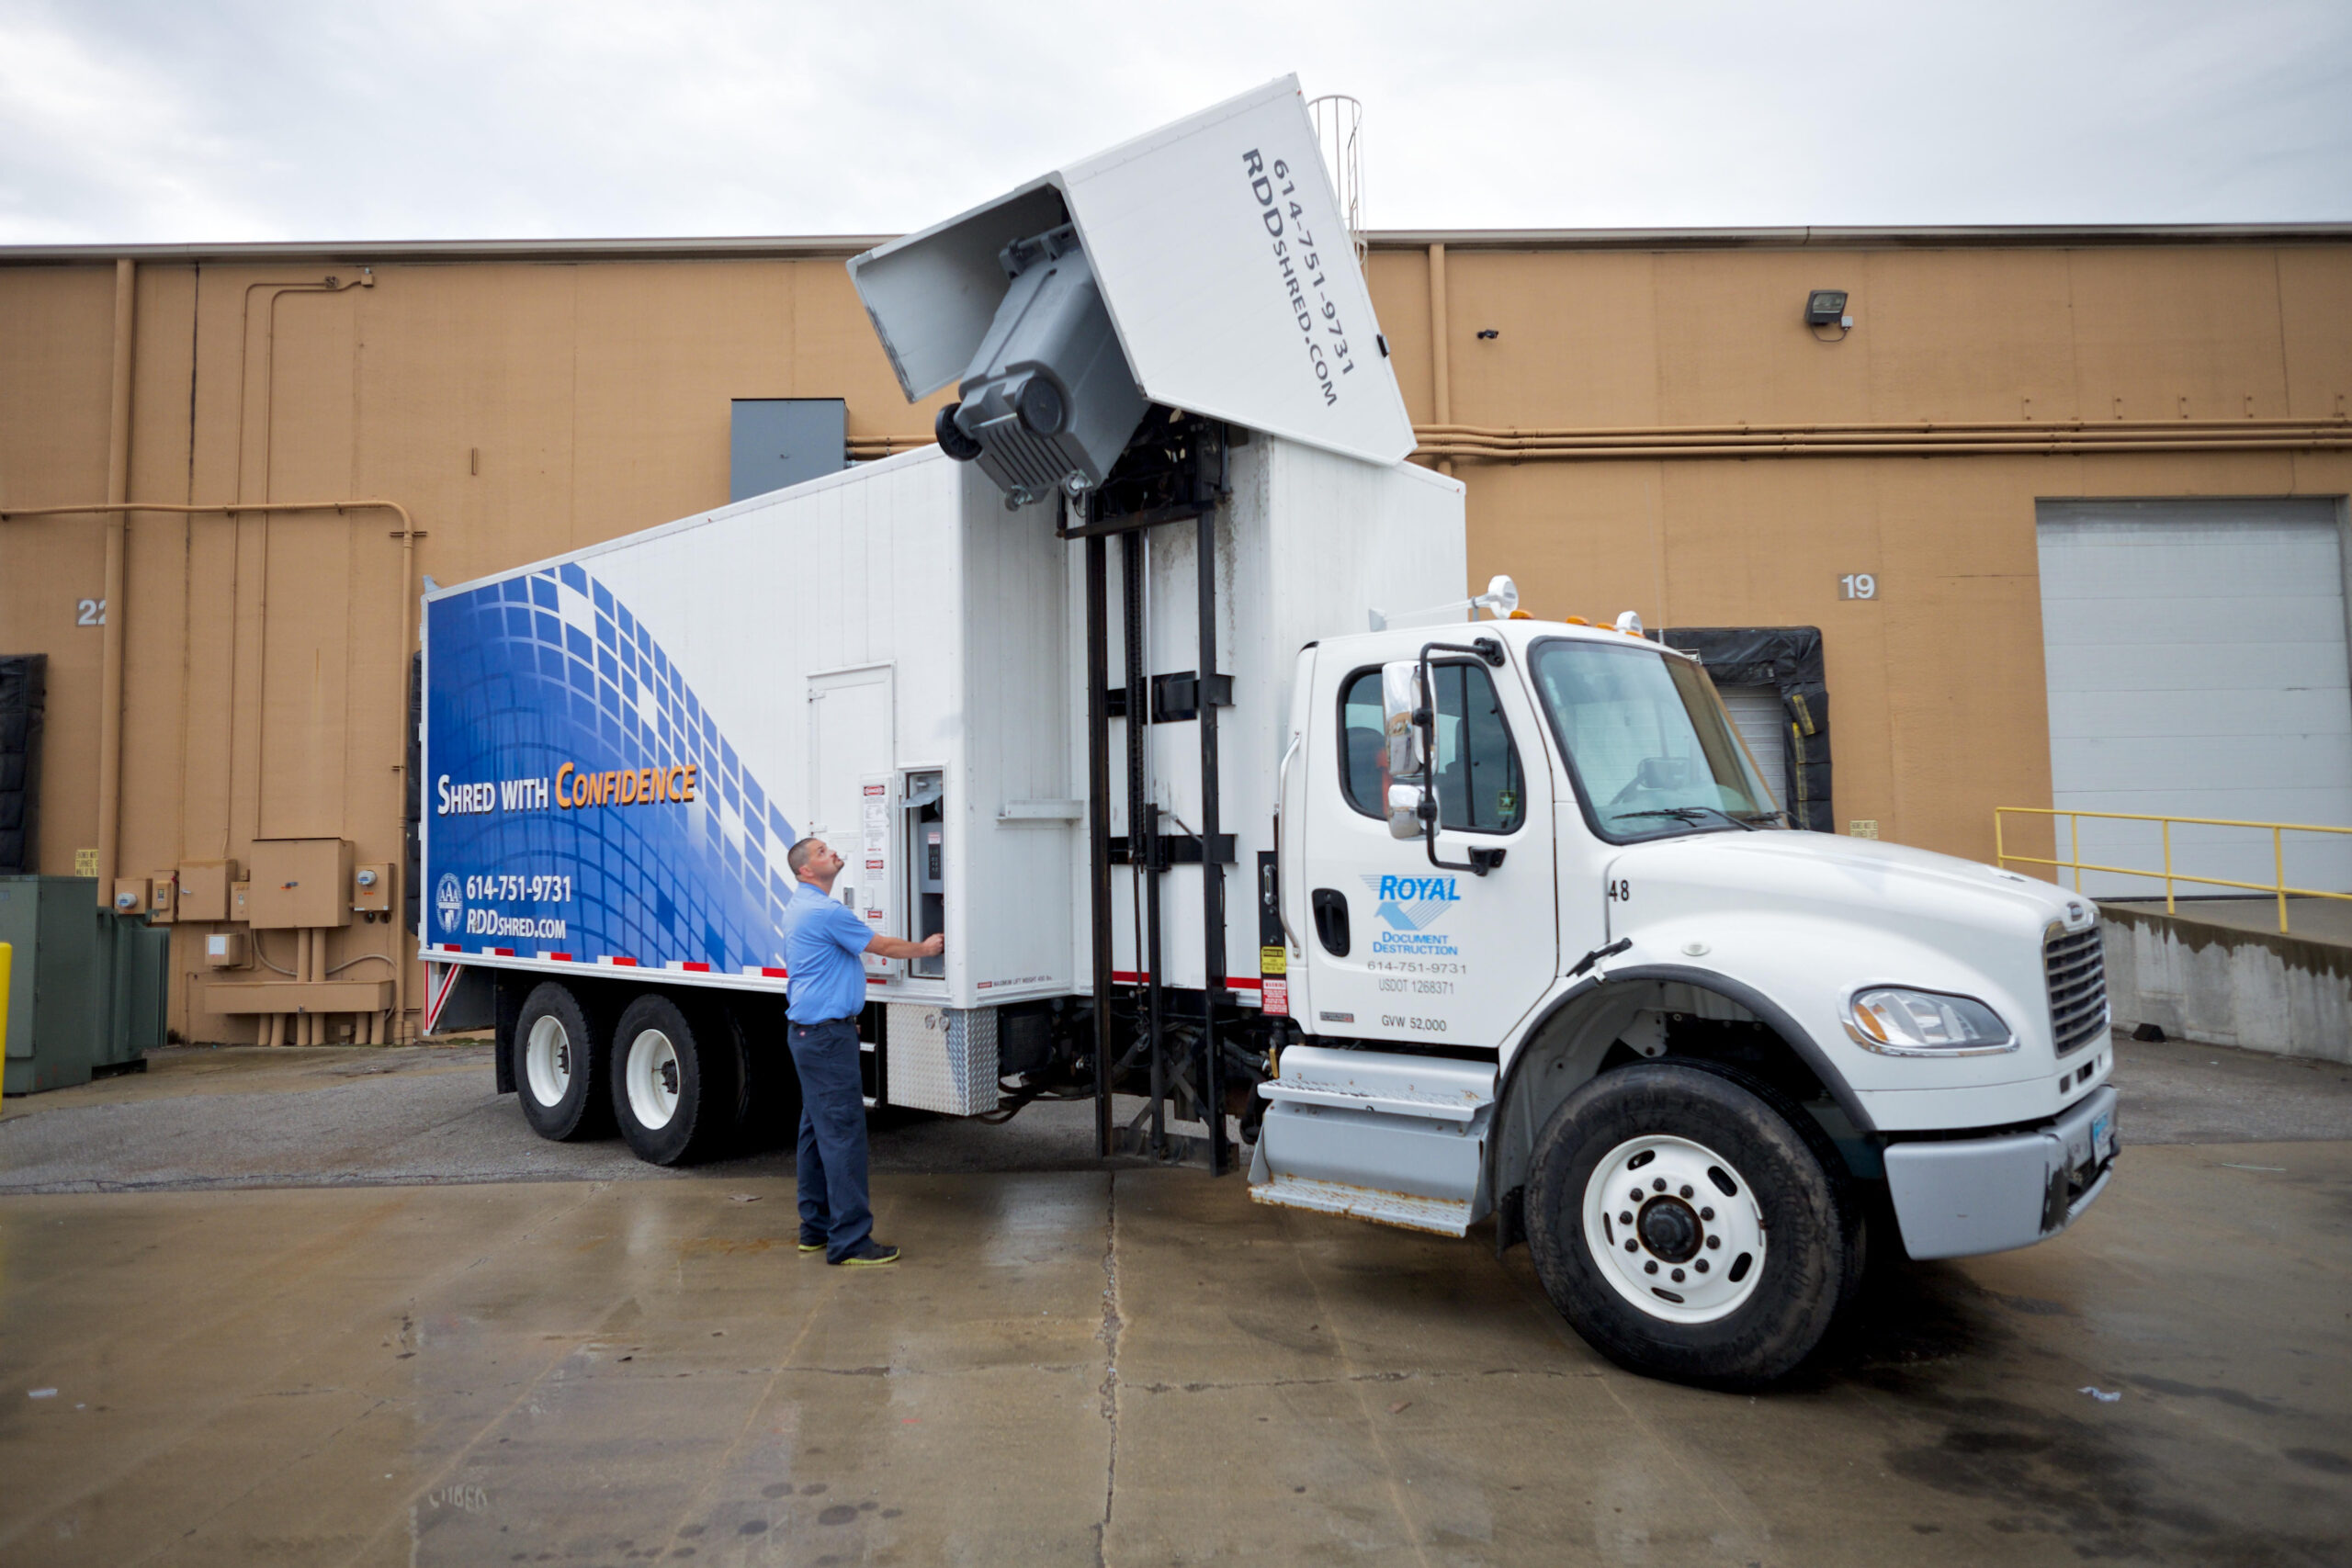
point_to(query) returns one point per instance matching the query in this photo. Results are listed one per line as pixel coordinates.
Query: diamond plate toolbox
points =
(943, 1058)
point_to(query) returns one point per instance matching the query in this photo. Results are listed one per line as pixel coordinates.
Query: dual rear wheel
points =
(676, 1078)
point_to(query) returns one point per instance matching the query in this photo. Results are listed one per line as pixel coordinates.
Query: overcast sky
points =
(130, 121)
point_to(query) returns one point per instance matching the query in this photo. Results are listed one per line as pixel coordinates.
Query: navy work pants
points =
(833, 1204)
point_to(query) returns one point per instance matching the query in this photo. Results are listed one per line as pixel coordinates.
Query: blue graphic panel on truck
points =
(582, 800)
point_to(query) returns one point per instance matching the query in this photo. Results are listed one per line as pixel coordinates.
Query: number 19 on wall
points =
(1858, 585)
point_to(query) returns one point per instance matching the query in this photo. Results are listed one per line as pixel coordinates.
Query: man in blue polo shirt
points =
(823, 942)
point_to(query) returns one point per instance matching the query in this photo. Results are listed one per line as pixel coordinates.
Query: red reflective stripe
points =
(499, 951)
(1236, 982)
(771, 973)
(451, 947)
(693, 968)
(624, 963)
(560, 957)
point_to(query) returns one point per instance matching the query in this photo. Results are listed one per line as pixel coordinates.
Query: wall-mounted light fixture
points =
(1827, 308)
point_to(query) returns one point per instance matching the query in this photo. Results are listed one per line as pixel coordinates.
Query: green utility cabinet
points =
(89, 988)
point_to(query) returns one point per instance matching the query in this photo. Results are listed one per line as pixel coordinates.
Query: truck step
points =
(1439, 1217)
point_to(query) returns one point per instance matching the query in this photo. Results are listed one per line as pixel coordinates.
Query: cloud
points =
(130, 120)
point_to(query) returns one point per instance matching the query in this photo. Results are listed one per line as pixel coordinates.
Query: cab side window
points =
(1479, 787)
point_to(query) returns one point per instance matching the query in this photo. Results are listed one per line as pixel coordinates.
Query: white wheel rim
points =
(1665, 1232)
(546, 1060)
(652, 1078)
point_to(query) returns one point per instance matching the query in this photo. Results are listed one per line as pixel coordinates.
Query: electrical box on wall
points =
(300, 884)
(240, 900)
(226, 950)
(131, 894)
(204, 889)
(163, 898)
(371, 890)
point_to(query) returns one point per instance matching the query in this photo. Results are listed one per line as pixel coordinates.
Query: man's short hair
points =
(798, 856)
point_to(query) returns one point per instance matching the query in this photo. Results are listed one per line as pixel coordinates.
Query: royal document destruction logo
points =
(1408, 906)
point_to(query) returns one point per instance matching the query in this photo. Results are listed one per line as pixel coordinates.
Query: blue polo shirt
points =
(823, 940)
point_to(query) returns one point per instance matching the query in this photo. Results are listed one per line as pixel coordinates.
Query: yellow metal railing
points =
(2276, 887)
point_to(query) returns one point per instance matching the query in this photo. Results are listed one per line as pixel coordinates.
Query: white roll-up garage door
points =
(1756, 712)
(2196, 654)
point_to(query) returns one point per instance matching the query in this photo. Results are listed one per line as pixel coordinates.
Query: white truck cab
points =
(1557, 958)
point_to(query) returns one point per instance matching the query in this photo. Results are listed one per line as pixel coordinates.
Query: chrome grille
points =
(2075, 967)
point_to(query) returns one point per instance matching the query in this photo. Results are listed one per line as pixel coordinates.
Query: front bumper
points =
(1968, 1196)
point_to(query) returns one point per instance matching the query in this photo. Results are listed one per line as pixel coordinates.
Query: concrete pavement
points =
(1127, 1365)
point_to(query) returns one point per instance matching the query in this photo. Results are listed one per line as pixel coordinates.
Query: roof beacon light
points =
(1499, 600)
(1630, 623)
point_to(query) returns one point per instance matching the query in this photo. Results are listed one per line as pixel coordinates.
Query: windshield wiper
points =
(1690, 814)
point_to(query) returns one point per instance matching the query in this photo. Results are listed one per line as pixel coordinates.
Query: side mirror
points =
(1400, 702)
(1403, 811)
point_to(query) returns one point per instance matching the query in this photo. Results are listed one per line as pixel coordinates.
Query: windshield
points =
(1648, 741)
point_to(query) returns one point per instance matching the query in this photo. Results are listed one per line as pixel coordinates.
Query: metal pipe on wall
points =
(1441, 360)
(126, 280)
(1957, 437)
(1518, 448)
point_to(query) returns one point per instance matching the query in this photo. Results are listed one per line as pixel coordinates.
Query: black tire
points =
(770, 1117)
(558, 1056)
(1789, 1208)
(677, 1080)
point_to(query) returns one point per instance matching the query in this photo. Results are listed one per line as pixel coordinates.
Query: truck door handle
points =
(1332, 921)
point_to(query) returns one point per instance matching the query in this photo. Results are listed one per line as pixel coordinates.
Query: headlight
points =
(1899, 1022)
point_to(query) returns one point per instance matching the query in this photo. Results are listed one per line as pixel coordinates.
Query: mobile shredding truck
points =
(1437, 918)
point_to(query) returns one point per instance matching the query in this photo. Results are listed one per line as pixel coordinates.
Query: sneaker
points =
(870, 1254)
(808, 1247)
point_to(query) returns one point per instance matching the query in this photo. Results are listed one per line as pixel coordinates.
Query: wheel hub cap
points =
(653, 1079)
(1670, 1227)
(546, 1060)
(1674, 1228)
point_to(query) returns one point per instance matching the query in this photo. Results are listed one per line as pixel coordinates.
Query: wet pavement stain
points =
(2235, 1398)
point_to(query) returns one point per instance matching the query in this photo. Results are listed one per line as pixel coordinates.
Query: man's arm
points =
(892, 947)
(843, 928)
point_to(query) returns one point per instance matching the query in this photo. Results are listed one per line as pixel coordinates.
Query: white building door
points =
(2197, 667)
(1757, 714)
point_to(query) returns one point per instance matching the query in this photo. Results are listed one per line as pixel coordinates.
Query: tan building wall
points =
(523, 401)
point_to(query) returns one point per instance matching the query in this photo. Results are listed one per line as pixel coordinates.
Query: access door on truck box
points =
(851, 724)
(1398, 948)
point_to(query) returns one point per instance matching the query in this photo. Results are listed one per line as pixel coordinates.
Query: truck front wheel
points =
(676, 1081)
(559, 1066)
(1686, 1227)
